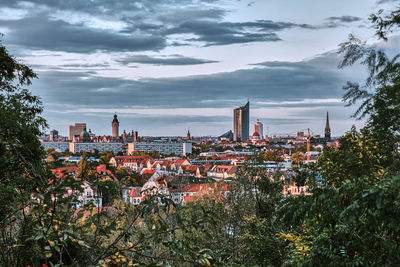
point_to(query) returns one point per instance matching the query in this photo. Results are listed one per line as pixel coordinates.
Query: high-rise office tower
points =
(241, 120)
(327, 128)
(259, 128)
(76, 129)
(115, 126)
(135, 136)
(53, 135)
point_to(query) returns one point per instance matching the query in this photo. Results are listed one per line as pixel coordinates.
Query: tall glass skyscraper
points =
(241, 122)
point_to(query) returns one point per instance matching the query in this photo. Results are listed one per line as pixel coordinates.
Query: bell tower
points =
(115, 126)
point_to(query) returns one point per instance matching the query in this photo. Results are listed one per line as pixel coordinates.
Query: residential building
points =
(133, 195)
(132, 162)
(166, 148)
(57, 146)
(222, 171)
(101, 147)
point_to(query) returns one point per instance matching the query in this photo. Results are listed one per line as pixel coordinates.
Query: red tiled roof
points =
(205, 189)
(121, 159)
(149, 172)
(135, 192)
(60, 172)
(225, 168)
(191, 168)
(102, 168)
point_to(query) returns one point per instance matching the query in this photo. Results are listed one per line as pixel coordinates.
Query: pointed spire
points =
(327, 127)
(327, 120)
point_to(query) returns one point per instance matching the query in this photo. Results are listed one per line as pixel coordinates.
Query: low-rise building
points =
(222, 171)
(132, 195)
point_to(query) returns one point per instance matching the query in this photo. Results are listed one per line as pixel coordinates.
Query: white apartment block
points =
(101, 147)
(57, 146)
(163, 148)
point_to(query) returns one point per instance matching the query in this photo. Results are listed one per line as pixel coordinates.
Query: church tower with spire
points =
(327, 128)
(188, 137)
(115, 126)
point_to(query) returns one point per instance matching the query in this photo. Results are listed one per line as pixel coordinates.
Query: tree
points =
(347, 219)
(380, 94)
(271, 155)
(254, 199)
(39, 224)
(110, 190)
(297, 157)
(341, 215)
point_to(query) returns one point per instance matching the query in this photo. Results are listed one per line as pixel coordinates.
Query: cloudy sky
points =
(168, 65)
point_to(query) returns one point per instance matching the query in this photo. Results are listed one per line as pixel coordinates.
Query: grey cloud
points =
(39, 33)
(149, 26)
(105, 6)
(315, 78)
(282, 121)
(87, 65)
(386, 1)
(171, 60)
(344, 19)
(177, 16)
(271, 81)
(220, 33)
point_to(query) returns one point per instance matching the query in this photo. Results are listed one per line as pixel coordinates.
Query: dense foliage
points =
(349, 219)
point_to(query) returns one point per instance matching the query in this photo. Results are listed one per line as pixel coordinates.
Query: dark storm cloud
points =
(344, 19)
(271, 81)
(105, 7)
(221, 33)
(172, 60)
(386, 1)
(148, 26)
(38, 32)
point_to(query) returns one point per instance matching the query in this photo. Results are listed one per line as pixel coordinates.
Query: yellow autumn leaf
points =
(93, 211)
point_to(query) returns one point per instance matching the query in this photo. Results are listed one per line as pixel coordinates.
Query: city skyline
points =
(258, 127)
(166, 66)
